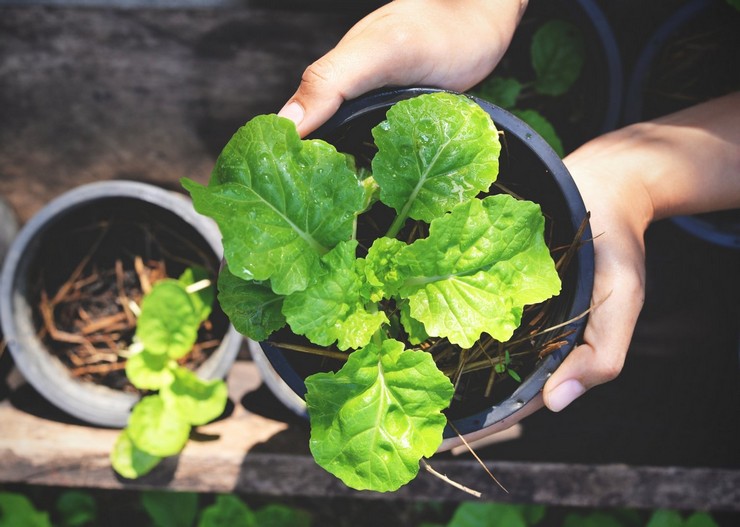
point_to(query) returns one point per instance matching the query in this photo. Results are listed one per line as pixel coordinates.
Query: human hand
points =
(685, 163)
(451, 44)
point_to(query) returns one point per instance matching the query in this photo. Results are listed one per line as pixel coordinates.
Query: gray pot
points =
(150, 206)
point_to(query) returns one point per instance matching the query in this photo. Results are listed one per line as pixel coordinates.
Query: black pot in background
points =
(531, 169)
(78, 208)
(593, 104)
(706, 74)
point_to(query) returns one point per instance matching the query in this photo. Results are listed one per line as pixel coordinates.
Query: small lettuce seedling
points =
(166, 330)
(557, 53)
(288, 213)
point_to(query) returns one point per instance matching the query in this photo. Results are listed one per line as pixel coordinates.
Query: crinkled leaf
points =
(252, 307)
(434, 151)
(149, 371)
(332, 308)
(202, 299)
(197, 400)
(501, 91)
(130, 461)
(227, 511)
(170, 509)
(373, 420)
(280, 202)
(477, 268)
(169, 321)
(558, 54)
(543, 127)
(415, 331)
(275, 515)
(157, 428)
(381, 279)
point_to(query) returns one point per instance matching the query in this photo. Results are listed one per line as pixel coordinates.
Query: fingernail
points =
(292, 111)
(564, 393)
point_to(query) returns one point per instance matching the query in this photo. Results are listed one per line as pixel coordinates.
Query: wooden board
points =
(267, 455)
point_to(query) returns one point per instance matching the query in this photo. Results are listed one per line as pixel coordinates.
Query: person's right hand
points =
(451, 44)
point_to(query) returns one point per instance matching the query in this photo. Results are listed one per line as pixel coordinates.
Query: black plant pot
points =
(38, 254)
(692, 57)
(592, 106)
(528, 167)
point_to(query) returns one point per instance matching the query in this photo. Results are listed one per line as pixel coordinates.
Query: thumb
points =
(336, 77)
(606, 339)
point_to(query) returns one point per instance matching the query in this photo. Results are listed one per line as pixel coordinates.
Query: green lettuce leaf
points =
(543, 127)
(332, 309)
(227, 511)
(477, 269)
(558, 53)
(381, 279)
(280, 202)
(150, 371)
(197, 400)
(434, 151)
(373, 420)
(501, 91)
(128, 460)
(169, 321)
(157, 428)
(252, 307)
(202, 299)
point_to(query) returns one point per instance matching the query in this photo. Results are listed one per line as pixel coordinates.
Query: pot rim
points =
(92, 403)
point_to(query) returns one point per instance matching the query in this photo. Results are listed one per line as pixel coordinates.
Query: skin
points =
(684, 163)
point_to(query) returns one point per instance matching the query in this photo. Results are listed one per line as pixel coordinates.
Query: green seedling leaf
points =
(275, 515)
(149, 371)
(157, 428)
(665, 518)
(373, 420)
(378, 267)
(252, 307)
(76, 509)
(479, 267)
(17, 510)
(169, 320)
(501, 91)
(202, 299)
(197, 400)
(227, 511)
(130, 461)
(557, 54)
(280, 202)
(474, 514)
(170, 509)
(543, 127)
(414, 329)
(434, 151)
(332, 308)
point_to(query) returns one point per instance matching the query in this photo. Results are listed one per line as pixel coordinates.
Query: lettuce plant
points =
(557, 54)
(166, 330)
(288, 212)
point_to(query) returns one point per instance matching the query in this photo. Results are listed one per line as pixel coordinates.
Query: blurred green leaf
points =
(170, 509)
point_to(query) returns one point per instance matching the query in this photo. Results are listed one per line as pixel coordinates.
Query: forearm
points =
(687, 162)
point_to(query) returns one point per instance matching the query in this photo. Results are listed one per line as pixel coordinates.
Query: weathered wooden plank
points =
(253, 454)
(91, 94)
